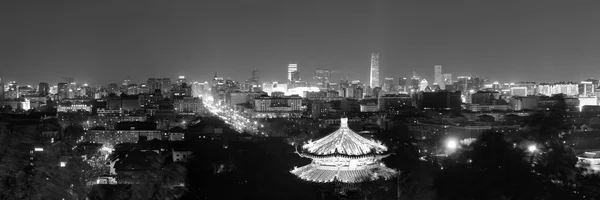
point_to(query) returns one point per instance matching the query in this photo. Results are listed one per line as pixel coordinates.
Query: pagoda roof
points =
(344, 141)
(326, 174)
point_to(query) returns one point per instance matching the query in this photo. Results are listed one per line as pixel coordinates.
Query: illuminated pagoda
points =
(343, 156)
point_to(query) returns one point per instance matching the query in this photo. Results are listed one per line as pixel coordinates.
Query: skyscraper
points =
(423, 84)
(43, 89)
(322, 78)
(388, 85)
(296, 76)
(255, 77)
(402, 84)
(291, 69)
(374, 77)
(63, 91)
(181, 80)
(438, 77)
(447, 80)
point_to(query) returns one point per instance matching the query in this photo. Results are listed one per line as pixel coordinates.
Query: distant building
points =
(162, 84)
(319, 108)
(587, 101)
(374, 76)
(291, 69)
(388, 85)
(487, 107)
(392, 104)
(589, 109)
(43, 89)
(423, 84)
(518, 91)
(567, 88)
(322, 78)
(295, 76)
(188, 105)
(545, 103)
(255, 77)
(438, 76)
(288, 103)
(587, 88)
(124, 102)
(484, 97)
(524, 103)
(369, 105)
(442, 100)
(63, 91)
(74, 108)
(446, 81)
(402, 85)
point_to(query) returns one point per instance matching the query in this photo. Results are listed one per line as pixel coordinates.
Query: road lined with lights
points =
(235, 119)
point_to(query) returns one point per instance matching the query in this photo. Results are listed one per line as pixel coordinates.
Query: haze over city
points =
(105, 41)
(311, 100)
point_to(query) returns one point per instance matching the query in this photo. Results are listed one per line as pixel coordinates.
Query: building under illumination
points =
(374, 76)
(291, 69)
(343, 156)
(388, 85)
(423, 84)
(438, 76)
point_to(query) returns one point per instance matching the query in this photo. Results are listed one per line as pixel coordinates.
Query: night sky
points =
(99, 42)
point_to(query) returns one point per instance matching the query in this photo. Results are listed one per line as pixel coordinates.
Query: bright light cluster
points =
(235, 119)
(344, 156)
(344, 141)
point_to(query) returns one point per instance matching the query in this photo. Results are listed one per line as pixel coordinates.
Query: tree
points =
(73, 133)
(491, 168)
(485, 118)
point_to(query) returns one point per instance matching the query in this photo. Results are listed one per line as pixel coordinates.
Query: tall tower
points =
(438, 78)
(255, 76)
(374, 77)
(291, 69)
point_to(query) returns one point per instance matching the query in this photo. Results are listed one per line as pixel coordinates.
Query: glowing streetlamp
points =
(532, 148)
(451, 144)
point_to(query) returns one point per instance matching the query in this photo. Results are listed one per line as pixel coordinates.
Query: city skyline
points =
(517, 41)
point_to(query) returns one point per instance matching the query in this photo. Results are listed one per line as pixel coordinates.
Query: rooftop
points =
(344, 141)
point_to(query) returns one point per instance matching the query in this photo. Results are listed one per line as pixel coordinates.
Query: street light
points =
(451, 144)
(532, 148)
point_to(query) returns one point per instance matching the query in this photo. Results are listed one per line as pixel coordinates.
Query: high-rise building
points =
(255, 77)
(447, 80)
(414, 84)
(43, 89)
(291, 69)
(63, 91)
(586, 88)
(181, 80)
(322, 78)
(423, 85)
(162, 84)
(518, 91)
(438, 78)
(402, 84)
(374, 76)
(296, 76)
(113, 88)
(388, 85)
